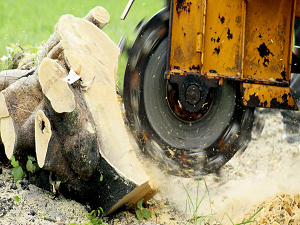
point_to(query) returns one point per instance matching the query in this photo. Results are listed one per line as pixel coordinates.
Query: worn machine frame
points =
(196, 72)
(246, 41)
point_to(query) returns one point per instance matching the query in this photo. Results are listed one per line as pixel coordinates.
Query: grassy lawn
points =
(29, 22)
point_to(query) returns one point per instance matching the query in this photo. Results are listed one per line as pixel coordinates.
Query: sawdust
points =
(282, 209)
(268, 168)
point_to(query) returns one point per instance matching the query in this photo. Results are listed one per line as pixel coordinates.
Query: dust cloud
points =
(267, 169)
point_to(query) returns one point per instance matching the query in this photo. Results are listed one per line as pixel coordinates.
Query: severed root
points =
(98, 16)
(43, 134)
(55, 51)
(49, 45)
(8, 77)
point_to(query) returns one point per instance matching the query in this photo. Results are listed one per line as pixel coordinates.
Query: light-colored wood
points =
(78, 69)
(145, 191)
(90, 40)
(98, 16)
(8, 135)
(102, 102)
(42, 136)
(56, 90)
(98, 56)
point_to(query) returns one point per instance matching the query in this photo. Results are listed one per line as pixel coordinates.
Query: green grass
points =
(29, 22)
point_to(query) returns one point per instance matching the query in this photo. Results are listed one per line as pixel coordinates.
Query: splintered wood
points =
(75, 127)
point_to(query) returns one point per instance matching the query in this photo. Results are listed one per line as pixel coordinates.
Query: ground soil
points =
(265, 175)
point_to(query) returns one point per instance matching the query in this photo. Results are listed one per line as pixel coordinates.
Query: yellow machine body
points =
(247, 41)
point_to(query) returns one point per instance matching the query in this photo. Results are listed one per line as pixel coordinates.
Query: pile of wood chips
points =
(283, 209)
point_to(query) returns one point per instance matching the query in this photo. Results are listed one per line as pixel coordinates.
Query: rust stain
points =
(254, 100)
(215, 40)
(268, 96)
(284, 104)
(283, 74)
(222, 19)
(182, 5)
(217, 50)
(264, 53)
(229, 35)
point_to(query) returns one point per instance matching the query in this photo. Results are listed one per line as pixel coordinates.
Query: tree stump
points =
(66, 114)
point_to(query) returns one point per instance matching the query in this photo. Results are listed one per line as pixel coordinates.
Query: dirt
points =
(265, 175)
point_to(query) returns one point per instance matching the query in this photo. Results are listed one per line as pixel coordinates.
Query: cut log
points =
(8, 135)
(21, 100)
(52, 48)
(75, 128)
(99, 68)
(57, 91)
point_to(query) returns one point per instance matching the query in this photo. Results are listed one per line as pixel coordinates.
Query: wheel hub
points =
(190, 96)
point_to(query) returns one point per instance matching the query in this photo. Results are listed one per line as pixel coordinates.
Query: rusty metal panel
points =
(186, 34)
(223, 42)
(268, 39)
(258, 95)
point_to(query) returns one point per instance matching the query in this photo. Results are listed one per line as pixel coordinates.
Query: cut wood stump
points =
(67, 114)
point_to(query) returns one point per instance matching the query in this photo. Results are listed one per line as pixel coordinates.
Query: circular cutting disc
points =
(183, 147)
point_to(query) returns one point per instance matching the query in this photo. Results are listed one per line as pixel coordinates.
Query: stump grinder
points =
(196, 72)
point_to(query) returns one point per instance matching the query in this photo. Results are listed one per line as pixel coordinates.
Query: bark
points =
(8, 77)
